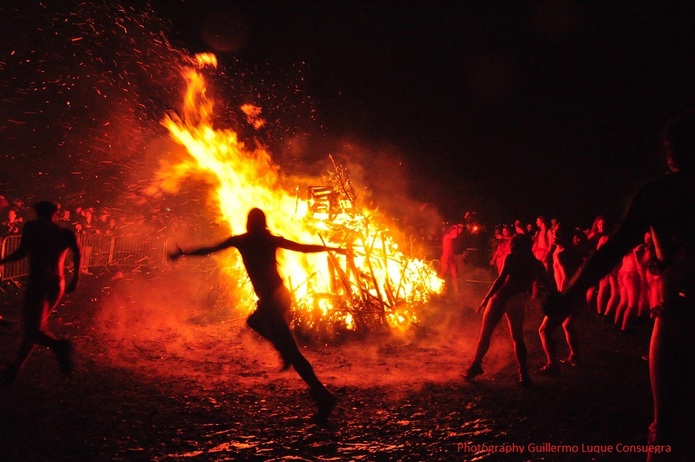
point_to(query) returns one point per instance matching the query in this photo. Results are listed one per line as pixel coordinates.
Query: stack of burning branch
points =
(375, 287)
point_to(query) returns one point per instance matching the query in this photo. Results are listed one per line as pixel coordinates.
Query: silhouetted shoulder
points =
(31, 227)
(67, 235)
(667, 201)
(33, 233)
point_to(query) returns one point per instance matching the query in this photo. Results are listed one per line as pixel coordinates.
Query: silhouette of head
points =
(679, 142)
(521, 243)
(256, 222)
(45, 210)
(563, 234)
(599, 225)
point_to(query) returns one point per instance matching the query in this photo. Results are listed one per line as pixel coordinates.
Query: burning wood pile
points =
(375, 286)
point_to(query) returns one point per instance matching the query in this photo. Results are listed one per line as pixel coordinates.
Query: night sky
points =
(536, 107)
(510, 108)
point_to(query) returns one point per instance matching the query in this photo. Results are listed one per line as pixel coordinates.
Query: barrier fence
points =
(98, 250)
(132, 252)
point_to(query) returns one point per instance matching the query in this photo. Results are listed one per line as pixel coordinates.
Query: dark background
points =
(510, 108)
(548, 106)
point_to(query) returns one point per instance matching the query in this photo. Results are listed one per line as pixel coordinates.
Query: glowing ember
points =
(375, 285)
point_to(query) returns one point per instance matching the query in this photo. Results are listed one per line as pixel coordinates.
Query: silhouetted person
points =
(666, 207)
(46, 244)
(508, 296)
(258, 251)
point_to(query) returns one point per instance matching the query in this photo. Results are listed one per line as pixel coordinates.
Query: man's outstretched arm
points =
(308, 248)
(179, 252)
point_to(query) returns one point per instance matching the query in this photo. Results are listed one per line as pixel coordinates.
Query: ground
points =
(152, 384)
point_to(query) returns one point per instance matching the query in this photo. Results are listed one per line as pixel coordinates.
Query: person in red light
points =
(46, 244)
(608, 293)
(595, 237)
(566, 262)
(630, 277)
(508, 297)
(651, 282)
(519, 227)
(258, 249)
(542, 241)
(502, 249)
(447, 260)
(598, 230)
(666, 208)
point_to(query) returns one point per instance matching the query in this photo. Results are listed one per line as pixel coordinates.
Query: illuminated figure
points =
(502, 249)
(508, 297)
(542, 241)
(630, 278)
(46, 244)
(651, 281)
(258, 248)
(448, 261)
(666, 208)
(596, 236)
(608, 292)
(566, 261)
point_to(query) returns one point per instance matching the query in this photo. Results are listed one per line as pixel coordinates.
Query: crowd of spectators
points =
(624, 297)
(13, 215)
(90, 224)
(83, 219)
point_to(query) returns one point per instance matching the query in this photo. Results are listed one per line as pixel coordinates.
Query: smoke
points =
(86, 86)
(382, 178)
(188, 328)
(180, 326)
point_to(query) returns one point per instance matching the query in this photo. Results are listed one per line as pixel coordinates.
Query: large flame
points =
(375, 284)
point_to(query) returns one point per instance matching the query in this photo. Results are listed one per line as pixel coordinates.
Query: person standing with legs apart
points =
(46, 244)
(258, 249)
(566, 262)
(508, 296)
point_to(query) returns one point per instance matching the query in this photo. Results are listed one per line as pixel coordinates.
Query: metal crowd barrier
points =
(15, 269)
(98, 250)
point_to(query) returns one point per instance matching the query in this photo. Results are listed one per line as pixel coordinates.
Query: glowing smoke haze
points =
(87, 86)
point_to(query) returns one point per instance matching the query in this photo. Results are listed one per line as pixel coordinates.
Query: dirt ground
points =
(155, 381)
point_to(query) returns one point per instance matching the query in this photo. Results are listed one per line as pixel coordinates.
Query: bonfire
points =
(374, 287)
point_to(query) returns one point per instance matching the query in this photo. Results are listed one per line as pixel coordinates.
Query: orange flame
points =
(253, 115)
(342, 291)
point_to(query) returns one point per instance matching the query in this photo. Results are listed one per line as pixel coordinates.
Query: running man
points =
(258, 251)
(46, 244)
